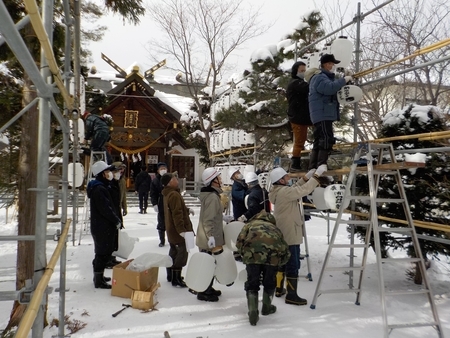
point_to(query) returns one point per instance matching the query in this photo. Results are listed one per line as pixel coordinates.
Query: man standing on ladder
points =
(323, 107)
(98, 130)
(298, 112)
(285, 199)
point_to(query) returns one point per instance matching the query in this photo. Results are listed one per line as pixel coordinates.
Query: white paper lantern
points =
(349, 94)
(334, 196)
(313, 60)
(318, 198)
(342, 49)
(226, 140)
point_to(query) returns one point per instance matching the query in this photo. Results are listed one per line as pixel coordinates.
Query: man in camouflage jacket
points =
(263, 250)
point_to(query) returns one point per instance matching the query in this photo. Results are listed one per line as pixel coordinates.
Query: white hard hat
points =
(100, 166)
(232, 171)
(251, 177)
(276, 174)
(209, 174)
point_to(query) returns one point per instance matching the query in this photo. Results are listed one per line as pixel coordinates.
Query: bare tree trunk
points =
(27, 200)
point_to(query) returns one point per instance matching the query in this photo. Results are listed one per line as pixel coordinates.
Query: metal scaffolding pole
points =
(40, 257)
(21, 52)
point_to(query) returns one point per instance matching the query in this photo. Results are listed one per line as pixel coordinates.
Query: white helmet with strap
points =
(277, 174)
(209, 174)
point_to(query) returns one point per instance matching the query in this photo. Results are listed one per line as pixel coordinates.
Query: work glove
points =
(119, 226)
(191, 211)
(348, 78)
(155, 207)
(211, 242)
(228, 218)
(319, 171)
(124, 213)
(242, 218)
(348, 72)
(310, 174)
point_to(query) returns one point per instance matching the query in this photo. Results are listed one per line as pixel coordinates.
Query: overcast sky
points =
(125, 44)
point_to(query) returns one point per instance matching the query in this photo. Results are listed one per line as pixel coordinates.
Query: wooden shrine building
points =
(145, 129)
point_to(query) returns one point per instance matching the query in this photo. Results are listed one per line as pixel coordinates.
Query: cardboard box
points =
(144, 300)
(125, 281)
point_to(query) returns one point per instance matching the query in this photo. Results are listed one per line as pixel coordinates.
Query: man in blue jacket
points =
(323, 107)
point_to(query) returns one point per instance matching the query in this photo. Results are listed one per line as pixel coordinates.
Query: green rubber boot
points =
(267, 307)
(252, 303)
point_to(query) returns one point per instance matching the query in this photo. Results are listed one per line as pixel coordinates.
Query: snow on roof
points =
(180, 103)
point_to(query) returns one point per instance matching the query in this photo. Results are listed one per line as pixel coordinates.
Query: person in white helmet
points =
(256, 199)
(210, 236)
(105, 222)
(286, 199)
(238, 191)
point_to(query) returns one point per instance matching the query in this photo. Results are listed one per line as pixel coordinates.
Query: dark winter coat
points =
(96, 127)
(142, 182)
(156, 189)
(114, 191)
(104, 219)
(261, 242)
(297, 94)
(123, 193)
(257, 200)
(323, 102)
(238, 190)
(156, 198)
(176, 215)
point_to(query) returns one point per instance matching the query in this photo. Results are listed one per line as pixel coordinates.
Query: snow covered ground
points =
(182, 315)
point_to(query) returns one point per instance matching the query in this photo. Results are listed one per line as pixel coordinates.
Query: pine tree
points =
(263, 106)
(426, 188)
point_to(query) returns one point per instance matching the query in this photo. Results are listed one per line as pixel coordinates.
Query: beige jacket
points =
(286, 208)
(210, 223)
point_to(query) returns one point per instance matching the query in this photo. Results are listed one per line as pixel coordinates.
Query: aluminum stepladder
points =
(308, 276)
(94, 157)
(389, 169)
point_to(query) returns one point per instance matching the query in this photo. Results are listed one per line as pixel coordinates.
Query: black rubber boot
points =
(267, 307)
(313, 159)
(252, 303)
(292, 297)
(177, 280)
(209, 295)
(295, 165)
(99, 281)
(106, 279)
(280, 290)
(169, 274)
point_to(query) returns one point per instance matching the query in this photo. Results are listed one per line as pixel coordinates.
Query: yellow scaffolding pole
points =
(418, 52)
(32, 309)
(38, 26)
